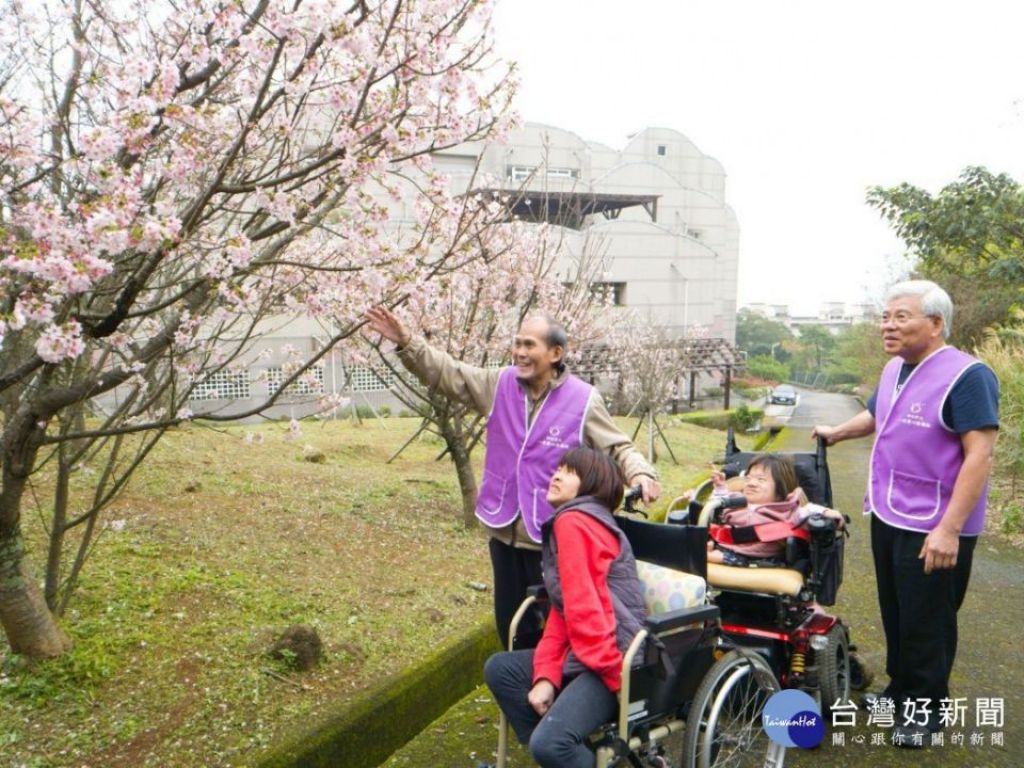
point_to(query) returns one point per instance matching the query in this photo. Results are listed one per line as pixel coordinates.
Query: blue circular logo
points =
(793, 719)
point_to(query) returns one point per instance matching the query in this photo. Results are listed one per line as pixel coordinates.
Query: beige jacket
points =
(475, 388)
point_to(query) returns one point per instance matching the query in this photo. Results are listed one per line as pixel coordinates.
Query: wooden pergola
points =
(699, 355)
(567, 209)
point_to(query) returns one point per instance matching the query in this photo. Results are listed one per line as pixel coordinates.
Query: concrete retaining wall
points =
(366, 732)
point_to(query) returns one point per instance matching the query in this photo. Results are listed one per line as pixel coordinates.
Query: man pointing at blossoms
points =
(536, 411)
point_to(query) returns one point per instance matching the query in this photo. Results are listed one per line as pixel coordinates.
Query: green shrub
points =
(364, 411)
(838, 376)
(742, 418)
(1006, 358)
(751, 393)
(764, 367)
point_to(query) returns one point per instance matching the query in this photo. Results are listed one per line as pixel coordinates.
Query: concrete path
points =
(989, 662)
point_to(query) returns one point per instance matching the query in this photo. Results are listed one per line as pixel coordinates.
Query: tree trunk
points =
(28, 624)
(30, 627)
(456, 437)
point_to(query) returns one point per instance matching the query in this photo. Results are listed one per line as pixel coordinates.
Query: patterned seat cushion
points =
(669, 590)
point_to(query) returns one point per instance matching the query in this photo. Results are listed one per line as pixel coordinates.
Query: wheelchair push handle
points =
(629, 500)
(718, 503)
(821, 451)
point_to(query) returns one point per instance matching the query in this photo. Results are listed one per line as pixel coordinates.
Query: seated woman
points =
(556, 694)
(770, 487)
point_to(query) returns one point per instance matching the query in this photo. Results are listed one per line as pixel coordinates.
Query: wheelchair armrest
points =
(664, 622)
(538, 591)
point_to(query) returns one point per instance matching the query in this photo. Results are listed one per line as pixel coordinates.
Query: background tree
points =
(969, 238)
(175, 174)
(757, 335)
(764, 367)
(816, 345)
(1003, 350)
(858, 357)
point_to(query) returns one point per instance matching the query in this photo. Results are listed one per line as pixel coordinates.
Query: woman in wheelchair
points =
(773, 497)
(554, 696)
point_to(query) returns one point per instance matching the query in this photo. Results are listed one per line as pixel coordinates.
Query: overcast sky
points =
(805, 104)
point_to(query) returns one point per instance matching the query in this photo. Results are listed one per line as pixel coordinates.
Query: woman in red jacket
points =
(555, 695)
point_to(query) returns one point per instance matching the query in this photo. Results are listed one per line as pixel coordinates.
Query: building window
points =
(566, 174)
(370, 379)
(222, 385)
(525, 172)
(662, 150)
(520, 172)
(311, 382)
(609, 294)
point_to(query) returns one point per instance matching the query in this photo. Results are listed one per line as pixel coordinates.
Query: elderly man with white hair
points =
(935, 415)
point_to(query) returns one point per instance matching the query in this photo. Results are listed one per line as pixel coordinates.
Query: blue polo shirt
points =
(973, 403)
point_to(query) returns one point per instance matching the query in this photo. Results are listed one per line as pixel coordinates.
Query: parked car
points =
(783, 395)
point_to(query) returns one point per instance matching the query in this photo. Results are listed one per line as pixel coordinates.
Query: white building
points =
(656, 209)
(833, 315)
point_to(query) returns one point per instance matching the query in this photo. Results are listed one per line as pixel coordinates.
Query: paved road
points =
(988, 662)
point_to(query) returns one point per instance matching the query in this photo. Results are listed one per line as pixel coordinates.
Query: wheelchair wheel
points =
(834, 668)
(724, 725)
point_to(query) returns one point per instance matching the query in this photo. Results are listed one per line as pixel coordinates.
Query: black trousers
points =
(515, 570)
(919, 613)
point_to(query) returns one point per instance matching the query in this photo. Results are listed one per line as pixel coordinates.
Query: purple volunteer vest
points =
(520, 457)
(916, 457)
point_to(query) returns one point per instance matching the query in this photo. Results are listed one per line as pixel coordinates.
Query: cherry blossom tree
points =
(173, 175)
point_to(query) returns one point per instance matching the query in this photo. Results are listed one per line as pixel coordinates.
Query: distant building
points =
(833, 315)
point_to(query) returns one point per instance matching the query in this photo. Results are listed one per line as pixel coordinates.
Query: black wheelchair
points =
(692, 681)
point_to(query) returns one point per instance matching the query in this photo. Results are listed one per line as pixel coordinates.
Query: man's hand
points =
(826, 432)
(541, 696)
(861, 425)
(384, 322)
(939, 550)
(650, 489)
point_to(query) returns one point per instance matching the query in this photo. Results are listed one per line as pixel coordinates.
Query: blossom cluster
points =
(209, 165)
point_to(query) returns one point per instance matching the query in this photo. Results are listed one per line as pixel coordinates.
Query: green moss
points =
(366, 732)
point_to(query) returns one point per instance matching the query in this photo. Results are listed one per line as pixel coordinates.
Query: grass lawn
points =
(216, 547)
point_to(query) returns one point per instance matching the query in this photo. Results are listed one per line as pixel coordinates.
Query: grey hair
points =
(556, 336)
(935, 302)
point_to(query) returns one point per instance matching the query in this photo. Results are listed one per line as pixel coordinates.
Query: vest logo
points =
(553, 439)
(913, 417)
